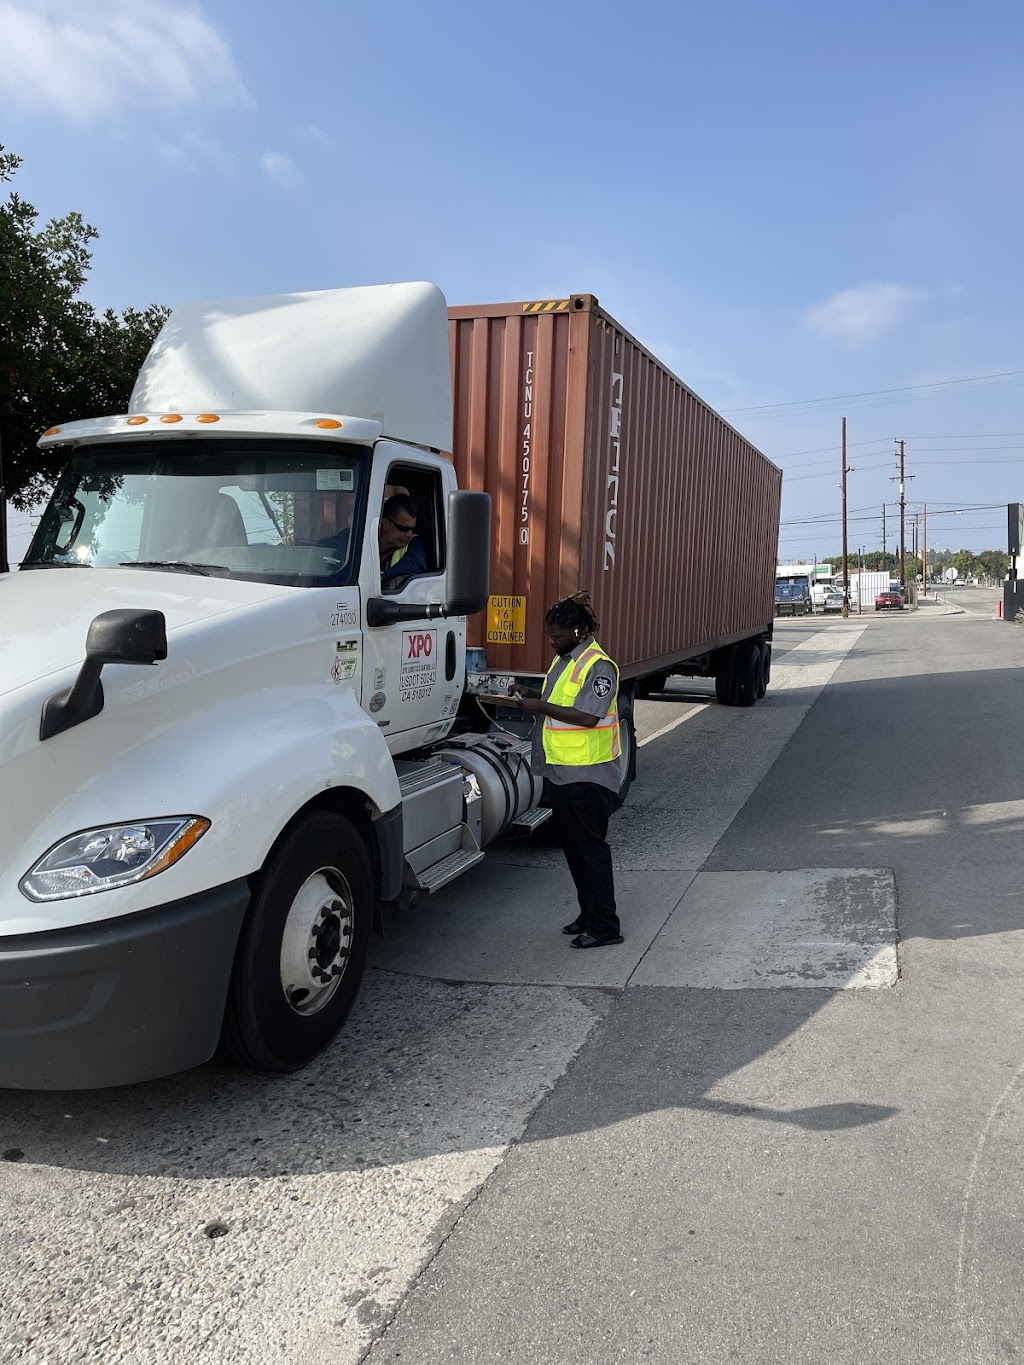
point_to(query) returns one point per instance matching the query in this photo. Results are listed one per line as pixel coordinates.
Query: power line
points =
(884, 440)
(957, 509)
(937, 385)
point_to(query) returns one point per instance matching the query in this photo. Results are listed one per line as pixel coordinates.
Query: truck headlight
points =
(113, 855)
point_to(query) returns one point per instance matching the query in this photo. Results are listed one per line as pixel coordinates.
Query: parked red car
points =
(890, 601)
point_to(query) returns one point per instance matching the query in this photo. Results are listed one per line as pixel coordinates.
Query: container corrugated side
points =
(679, 547)
(608, 473)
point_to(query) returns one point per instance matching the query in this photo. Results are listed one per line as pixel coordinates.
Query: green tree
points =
(966, 563)
(994, 563)
(59, 359)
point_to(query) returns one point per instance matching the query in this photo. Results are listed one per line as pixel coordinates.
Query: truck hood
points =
(45, 613)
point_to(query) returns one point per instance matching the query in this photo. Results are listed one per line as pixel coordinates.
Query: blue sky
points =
(786, 201)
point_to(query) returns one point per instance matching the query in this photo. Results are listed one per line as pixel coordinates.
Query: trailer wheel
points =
(745, 670)
(724, 674)
(302, 951)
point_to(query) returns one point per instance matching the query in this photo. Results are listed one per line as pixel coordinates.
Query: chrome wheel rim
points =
(316, 946)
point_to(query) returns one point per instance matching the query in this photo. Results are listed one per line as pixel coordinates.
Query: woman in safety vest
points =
(576, 749)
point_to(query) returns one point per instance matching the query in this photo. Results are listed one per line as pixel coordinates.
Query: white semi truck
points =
(225, 744)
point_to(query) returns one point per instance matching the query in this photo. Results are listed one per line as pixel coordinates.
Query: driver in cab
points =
(401, 550)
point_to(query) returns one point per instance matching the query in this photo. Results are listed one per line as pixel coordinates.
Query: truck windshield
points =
(269, 511)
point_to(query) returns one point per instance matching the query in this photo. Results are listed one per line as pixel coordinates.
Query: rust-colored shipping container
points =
(607, 473)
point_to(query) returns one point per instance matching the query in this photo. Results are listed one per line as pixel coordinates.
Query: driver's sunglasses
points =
(408, 530)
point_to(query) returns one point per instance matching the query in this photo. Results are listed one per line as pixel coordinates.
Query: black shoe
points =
(576, 927)
(589, 941)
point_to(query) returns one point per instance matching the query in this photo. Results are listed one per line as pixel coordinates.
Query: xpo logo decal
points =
(419, 663)
(419, 646)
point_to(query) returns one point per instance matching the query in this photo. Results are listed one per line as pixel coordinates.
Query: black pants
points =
(581, 811)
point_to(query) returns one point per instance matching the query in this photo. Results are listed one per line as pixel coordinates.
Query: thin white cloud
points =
(88, 60)
(315, 134)
(854, 318)
(175, 156)
(281, 169)
(193, 150)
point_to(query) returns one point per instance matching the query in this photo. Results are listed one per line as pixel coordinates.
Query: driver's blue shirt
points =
(412, 562)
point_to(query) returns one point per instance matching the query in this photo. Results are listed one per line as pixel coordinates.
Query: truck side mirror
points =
(469, 553)
(469, 567)
(115, 637)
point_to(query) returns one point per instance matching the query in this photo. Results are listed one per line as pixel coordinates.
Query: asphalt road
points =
(782, 1122)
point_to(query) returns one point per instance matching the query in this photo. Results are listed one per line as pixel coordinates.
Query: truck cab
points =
(225, 730)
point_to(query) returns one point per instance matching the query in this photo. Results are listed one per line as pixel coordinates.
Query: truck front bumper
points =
(122, 1001)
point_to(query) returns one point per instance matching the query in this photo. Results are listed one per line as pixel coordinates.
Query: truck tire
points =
(745, 673)
(302, 951)
(627, 738)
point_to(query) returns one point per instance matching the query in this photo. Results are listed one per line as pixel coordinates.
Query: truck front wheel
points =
(627, 739)
(302, 951)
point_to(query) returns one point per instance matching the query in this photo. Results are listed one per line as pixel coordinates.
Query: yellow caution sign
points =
(506, 620)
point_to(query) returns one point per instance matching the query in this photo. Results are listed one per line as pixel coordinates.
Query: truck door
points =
(412, 670)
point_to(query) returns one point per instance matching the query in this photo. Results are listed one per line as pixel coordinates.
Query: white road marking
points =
(700, 706)
(821, 652)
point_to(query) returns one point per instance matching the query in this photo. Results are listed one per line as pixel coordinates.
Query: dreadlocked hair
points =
(576, 612)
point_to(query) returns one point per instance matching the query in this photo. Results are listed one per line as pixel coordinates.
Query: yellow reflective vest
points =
(396, 556)
(579, 746)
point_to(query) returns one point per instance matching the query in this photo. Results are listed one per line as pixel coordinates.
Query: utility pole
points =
(885, 542)
(846, 566)
(903, 521)
(903, 514)
(924, 552)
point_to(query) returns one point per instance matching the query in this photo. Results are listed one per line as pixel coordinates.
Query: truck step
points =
(421, 777)
(445, 871)
(530, 820)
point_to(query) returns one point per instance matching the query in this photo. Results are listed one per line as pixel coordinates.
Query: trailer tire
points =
(746, 673)
(302, 951)
(724, 677)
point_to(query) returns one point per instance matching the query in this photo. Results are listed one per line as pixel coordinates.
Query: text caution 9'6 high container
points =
(607, 473)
